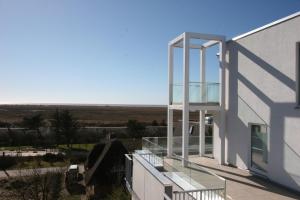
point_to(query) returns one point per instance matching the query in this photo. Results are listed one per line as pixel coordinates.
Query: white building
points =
(255, 108)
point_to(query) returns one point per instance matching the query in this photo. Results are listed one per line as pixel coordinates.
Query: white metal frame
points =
(183, 41)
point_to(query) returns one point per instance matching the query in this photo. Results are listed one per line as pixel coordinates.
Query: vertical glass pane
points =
(259, 148)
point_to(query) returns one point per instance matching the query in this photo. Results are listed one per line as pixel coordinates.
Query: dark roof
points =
(102, 159)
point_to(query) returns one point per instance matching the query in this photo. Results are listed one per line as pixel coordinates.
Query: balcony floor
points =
(243, 185)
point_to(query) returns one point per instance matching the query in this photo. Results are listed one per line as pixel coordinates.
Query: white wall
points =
(262, 89)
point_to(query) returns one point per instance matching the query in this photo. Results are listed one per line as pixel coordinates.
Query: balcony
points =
(152, 169)
(199, 93)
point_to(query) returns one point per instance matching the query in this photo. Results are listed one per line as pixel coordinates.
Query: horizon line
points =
(83, 104)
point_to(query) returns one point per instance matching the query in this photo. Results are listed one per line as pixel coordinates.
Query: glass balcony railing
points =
(198, 93)
(195, 181)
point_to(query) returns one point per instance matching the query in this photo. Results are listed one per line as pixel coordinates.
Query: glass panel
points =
(198, 92)
(259, 150)
(191, 177)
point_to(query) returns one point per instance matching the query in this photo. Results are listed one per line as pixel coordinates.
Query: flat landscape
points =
(92, 115)
(87, 114)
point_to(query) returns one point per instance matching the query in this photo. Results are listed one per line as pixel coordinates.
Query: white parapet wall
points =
(147, 182)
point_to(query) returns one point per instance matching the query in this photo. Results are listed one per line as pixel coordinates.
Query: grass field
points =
(94, 115)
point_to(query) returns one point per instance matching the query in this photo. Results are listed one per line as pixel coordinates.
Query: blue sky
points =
(109, 51)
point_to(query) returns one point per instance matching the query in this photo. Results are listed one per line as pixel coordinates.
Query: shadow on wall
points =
(284, 161)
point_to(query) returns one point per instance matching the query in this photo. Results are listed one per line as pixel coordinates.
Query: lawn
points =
(17, 148)
(39, 164)
(130, 143)
(86, 147)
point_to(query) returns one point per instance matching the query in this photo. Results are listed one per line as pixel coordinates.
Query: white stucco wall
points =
(262, 89)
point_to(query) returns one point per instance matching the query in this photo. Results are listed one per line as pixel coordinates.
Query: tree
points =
(56, 124)
(34, 122)
(135, 128)
(13, 138)
(163, 123)
(4, 124)
(69, 126)
(154, 123)
(65, 125)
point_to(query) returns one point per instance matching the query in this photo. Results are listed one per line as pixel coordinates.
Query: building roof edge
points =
(266, 26)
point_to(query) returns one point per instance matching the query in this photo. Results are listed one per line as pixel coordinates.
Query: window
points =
(298, 74)
(259, 147)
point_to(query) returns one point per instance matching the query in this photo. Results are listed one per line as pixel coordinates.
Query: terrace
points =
(169, 175)
(202, 178)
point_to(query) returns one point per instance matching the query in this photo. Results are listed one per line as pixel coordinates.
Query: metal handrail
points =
(197, 190)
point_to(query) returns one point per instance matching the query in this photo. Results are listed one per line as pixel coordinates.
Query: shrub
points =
(118, 193)
(49, 157)
(7, 162)
(135, 128)
(76, 159)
